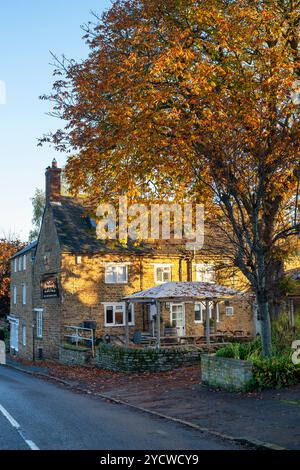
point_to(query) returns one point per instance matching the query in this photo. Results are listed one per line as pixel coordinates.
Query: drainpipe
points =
(207, 325)
(126, 325)
(33, 341)
(158, 342)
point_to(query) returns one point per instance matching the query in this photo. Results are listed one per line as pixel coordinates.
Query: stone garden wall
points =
(144, 360)
(229, 374)
(74, 356)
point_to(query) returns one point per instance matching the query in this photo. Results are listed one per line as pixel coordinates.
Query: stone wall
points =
(144, 360)
(229, 374)
(74, 356)
(84, 294)
(47, 261)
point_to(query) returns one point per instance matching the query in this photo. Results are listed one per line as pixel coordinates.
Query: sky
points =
(29, 30)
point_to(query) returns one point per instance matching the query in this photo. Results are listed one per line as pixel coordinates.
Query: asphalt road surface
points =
(36, 414)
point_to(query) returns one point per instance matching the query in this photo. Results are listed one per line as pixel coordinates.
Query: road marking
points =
(12, 421)
(17, 426)
(31, 445)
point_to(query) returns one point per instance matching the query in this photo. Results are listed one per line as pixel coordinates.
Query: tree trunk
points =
(275, 274)
(264, 315)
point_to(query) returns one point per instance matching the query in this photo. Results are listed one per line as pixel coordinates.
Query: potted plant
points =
(170, 329)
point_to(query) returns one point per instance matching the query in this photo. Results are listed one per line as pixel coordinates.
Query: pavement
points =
(38, 414)
(270, 419)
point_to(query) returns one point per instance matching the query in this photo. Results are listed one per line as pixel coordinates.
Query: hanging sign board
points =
(49, 287)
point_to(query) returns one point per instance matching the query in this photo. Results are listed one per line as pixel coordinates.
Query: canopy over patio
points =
(184, 291)
(181, 292)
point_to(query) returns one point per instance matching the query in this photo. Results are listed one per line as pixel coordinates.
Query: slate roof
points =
(25, 250)
(185, 290)
(77, 235)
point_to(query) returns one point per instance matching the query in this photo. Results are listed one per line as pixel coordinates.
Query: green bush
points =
(243, 351)
(274, 372)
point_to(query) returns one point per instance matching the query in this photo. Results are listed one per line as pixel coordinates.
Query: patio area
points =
(178, 300)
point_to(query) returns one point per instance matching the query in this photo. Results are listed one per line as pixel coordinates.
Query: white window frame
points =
(39, 322)
(24, 336)
(20, 263)
(115, 306)
(14, 333)
(204, 270)
(229, 308)
(24, 262)
(24, 294)
(116, 265)
(14, 294)
(167, 267)
(203, 312)
(15, 265)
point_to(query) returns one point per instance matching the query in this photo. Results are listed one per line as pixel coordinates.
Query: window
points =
(163, 273)
(15, 265)
(47, 256)
(200, 312)
(205, 273)
(78, 259)
(39, 324)
(24, 294)
(15, 295)
(20, 263)
(229, 311)
(116, 274)
(115, 314)
(24, 335)
(24, 263)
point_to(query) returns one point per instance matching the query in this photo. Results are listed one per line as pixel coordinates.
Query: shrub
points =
(274, 372)
(245, 351)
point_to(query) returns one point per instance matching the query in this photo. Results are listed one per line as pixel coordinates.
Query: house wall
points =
(84, 293)
(241, 320)
(48, 247)
(23, 312)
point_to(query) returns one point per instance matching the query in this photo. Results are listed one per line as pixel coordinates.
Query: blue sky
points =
(28, 31)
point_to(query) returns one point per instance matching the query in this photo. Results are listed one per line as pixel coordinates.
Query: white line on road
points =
(12, 421)
(32, 445)
(17, 426)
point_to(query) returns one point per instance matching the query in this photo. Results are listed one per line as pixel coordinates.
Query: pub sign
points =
(49, 287)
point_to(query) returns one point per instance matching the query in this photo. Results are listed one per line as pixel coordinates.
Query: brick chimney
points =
(53, 183)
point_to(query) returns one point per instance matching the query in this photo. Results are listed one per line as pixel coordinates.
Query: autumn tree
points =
(193, 100)
(7, 249)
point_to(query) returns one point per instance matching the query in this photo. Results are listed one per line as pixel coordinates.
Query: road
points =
(37, 414)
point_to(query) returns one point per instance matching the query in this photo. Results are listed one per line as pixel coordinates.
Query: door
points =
(178, 318)
(14, 335)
